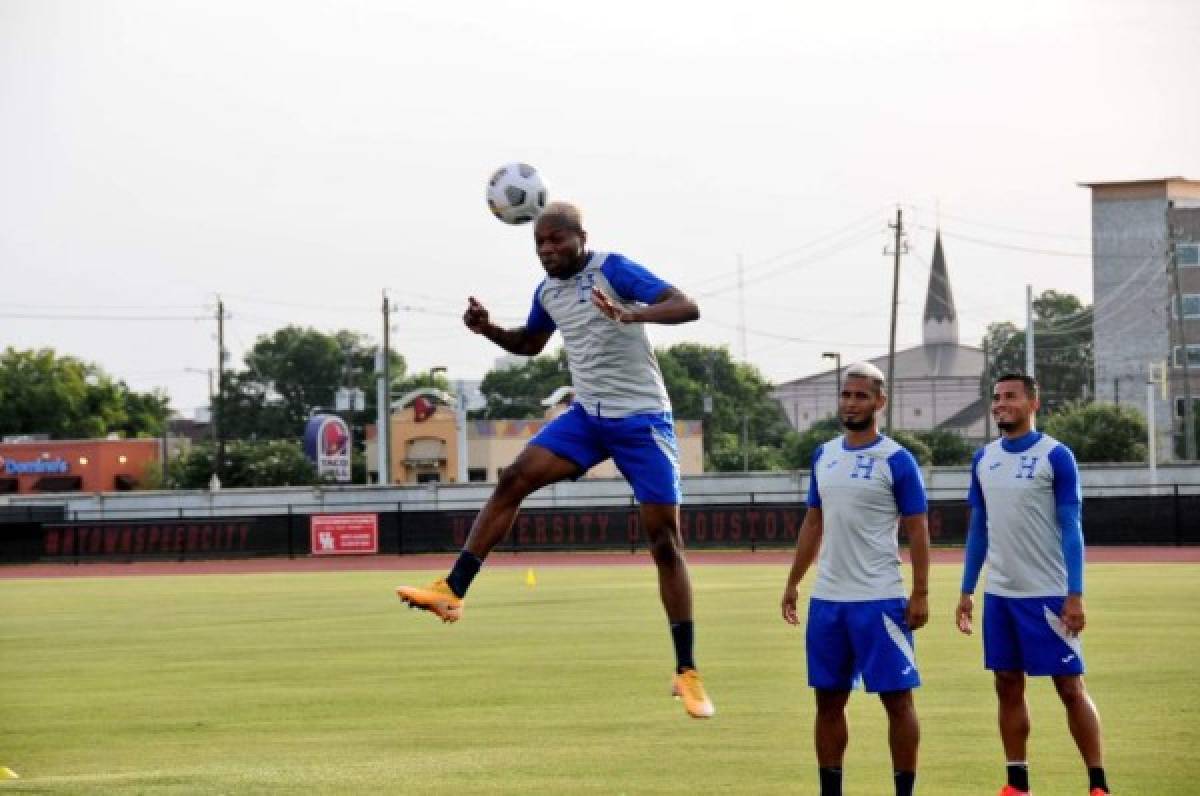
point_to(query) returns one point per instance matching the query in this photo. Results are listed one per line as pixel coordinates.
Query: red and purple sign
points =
(327, 444)
(345, 534)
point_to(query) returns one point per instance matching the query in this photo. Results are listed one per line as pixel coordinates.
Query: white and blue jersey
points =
(613, 367)
(1025, 524)
(621, 409)
(1025, 500)
(856, 618)
(862, 493)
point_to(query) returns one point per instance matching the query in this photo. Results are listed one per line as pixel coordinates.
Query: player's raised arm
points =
(519, 341)
(671, 307)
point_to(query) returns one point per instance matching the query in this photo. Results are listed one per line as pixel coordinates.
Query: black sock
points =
(683, 634)
(905, 781)
(831, 781)
(1096, 778)
(463, 572)
(1018, 775)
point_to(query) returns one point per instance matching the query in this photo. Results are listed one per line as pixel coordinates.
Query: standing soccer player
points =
(601, 302)
(1025, 522)
(863, 486)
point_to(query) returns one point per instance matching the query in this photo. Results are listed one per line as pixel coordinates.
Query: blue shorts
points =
(1026, 634)
(643, 448)
(871, 639)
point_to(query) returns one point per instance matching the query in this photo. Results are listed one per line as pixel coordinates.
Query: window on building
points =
(1179, 405)
(917, 412)
(1193, 356)
(1191, 306)
(476, 473)
(1187, 255)
(428, 478)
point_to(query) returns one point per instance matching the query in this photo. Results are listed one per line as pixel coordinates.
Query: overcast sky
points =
(299, 157)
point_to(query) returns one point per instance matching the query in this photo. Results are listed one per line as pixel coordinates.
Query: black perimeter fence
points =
(762, 521)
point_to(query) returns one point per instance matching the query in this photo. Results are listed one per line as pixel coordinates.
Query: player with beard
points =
(863, 486)
(1026, 524)
(600, 301)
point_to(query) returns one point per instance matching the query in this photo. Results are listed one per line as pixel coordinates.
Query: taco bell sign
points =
(327, 445)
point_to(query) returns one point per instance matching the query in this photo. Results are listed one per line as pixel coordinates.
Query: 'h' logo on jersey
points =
(1026, 467)
(584, 286)
(863, 465)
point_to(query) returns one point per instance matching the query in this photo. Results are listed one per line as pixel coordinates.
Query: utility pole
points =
(1189, 412)
(385, 412)
(745, 440)
(836, 356)
(742, 311)
(898, 248)
(987, 386)
(219, 416)
(708, 413)
(1029, 358)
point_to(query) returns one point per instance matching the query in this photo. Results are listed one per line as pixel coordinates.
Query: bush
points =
(1100, 432)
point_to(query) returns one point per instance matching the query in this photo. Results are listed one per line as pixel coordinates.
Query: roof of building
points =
(1134, 182)
(937, 361)
(939, 300)
(966, 417)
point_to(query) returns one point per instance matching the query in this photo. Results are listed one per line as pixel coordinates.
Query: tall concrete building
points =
(1136, 225)
(936, 383)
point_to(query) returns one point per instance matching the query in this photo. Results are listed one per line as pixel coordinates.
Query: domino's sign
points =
(36, 466)
(327, 444)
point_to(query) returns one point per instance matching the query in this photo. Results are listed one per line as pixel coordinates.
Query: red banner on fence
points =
(345, 534)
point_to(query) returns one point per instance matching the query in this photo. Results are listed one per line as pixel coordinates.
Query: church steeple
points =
(941, 322)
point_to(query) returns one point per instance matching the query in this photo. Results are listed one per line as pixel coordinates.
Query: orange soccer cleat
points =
(688, 686)
(437, 598)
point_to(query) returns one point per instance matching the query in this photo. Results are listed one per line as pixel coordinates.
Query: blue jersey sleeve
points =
(1066, 476)
(976, 554)
(1070, 524)
(906, 484)
(539, 320)
(631, 281)
(975, 491)
(814, 495)
(1068, 504)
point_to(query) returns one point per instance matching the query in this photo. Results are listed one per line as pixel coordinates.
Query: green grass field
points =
(323, 683)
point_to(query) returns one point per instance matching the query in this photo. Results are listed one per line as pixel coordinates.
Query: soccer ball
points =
(516, 193)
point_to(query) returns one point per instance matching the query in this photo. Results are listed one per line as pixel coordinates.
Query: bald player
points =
(600, 301)
(864, 487)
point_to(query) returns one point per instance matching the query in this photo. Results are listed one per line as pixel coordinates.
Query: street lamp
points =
(460, 422)
(836, 356)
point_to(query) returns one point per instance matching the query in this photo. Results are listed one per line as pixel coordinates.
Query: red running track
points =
(436, 562)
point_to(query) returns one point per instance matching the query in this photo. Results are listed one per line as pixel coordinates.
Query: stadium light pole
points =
(836, 356)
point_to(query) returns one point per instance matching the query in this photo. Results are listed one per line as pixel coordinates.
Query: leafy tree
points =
(41, 392)
(1063, 349)
(294, 370)
(916, 446)
(268, 463)
(517, 391)
(945, 447)
(738, 391)
(1100, 432)
(799, 448)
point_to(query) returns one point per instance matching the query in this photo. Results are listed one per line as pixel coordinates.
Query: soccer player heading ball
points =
(600, 301)
(863, 486)
(1025, 523)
